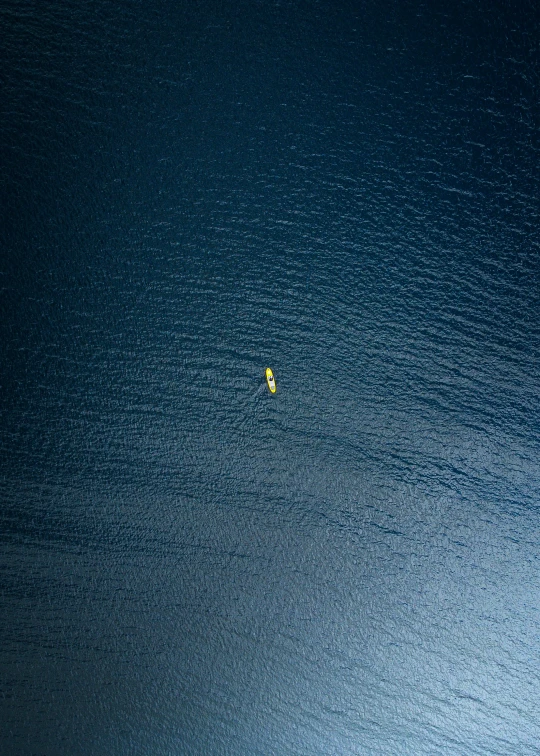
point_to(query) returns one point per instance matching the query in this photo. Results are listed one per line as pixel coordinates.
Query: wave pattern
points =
(190, 564)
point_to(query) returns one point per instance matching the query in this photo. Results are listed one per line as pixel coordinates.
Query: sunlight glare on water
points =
(191, 564)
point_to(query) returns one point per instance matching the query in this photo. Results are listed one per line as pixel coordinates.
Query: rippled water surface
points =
(347, 192)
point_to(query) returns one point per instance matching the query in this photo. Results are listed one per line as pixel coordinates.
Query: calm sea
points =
(348, 193)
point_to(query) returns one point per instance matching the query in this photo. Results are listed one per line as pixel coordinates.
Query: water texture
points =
(347, 192)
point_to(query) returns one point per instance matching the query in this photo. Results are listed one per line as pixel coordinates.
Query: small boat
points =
(270, 380)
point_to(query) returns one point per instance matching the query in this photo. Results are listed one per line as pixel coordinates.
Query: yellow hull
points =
(271, 381)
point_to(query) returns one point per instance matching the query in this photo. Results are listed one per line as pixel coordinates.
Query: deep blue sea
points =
(347, 192)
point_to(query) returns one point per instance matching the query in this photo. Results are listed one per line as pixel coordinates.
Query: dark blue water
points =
(347, 192)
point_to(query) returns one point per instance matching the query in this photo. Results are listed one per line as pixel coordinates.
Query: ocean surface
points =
(348, 193)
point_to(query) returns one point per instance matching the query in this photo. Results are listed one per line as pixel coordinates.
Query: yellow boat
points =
(270, 380)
